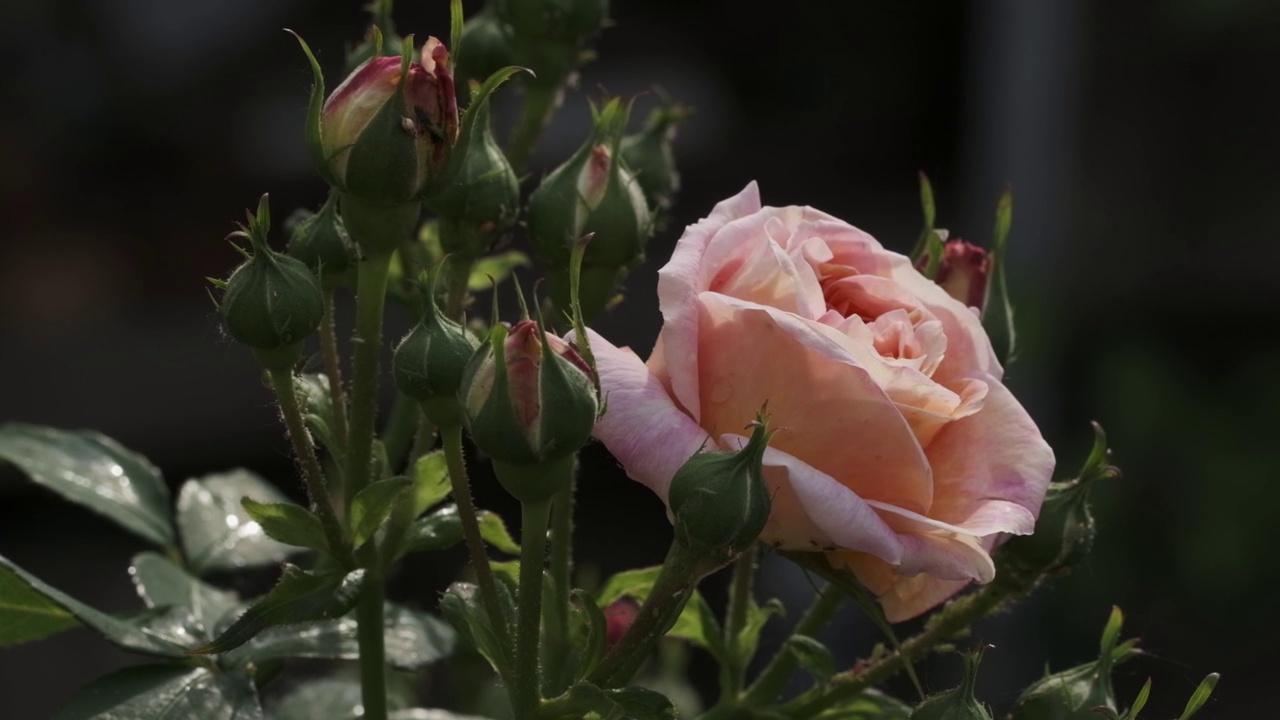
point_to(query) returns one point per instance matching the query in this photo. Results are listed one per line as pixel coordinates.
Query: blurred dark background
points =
(1139, 139)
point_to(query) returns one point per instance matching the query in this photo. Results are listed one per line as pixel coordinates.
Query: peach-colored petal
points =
(743, 261)
(992, 468)
(837, 516)
(830, 412)
(679, 283)
(641, 426)
(901, 597)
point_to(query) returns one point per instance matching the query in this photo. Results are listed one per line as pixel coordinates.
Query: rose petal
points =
(935, 567)
(991, 469)
(641, 426)
(830, 412)
(679, 282)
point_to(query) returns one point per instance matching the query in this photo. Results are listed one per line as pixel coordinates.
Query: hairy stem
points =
(525, 694)
(370, 636)
(562, 577)
(734, 668)
(370, 300)
(333, 371)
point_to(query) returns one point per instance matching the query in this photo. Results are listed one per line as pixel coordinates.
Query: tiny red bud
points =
(963, 272)
(618, 618)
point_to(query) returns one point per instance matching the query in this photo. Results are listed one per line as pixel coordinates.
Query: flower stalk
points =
(525, 690)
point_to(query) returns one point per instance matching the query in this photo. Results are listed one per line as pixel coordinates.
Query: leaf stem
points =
(733, 669)
(304, 448)
(370, 636)
(774, 677)
(525, 691)
(452, 440)
(370, 301)
(333, 371)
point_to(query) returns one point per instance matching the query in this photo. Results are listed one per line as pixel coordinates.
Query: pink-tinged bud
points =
(617, 620)
(594, 179)
(387, 131)
(534, 401)
(963, 272)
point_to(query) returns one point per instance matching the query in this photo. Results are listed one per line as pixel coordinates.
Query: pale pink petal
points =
(642, 428)
(829, 411)
(679, 282)
(904, 591)
(992, 468)
(841, 518)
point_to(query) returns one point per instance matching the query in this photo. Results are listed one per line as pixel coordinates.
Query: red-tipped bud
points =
(618, 618)
(387, 130)
(963, 272)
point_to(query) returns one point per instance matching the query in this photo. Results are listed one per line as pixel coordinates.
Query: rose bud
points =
(1082, 693)
(1065, 529)
(482, 199)
(618, 618)
(963, 272)
(483, 49)
(529, 400)
(648, 154)
(593, 192)
(387, 129)
(271, 302)
(956, 704)
(429, 362)
(320, 241)
(719, 499)
(548, 35)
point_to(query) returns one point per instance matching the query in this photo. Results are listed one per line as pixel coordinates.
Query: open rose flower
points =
(899, 453)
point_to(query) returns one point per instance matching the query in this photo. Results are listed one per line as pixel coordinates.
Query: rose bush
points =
(899, 453)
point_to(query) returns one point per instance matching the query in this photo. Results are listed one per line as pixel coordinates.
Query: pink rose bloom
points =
(899, 453)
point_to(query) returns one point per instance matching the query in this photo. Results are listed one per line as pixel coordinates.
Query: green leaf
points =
(757, 617)
(27, 615)
(632, 703)
(1139, 702)
(462, 606)
(413, 640)
(163, 584)
(371, 507)
(870, 705)
(696, 621)
(440, 530)
(288, 523)
(217, 533)
(1200, 696)
(997, 312)
(813, 656)
(298, 597)
(94, 471)
(130, 634)
(494, 269)
(165, 692)
(430, 481)
(494, 531)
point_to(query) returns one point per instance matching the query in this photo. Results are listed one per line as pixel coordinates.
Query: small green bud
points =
(482, 200)
(271, 302)
(594, 192)
(956, 704)
(1065, 529)
(649, 155)
(549, 36)
(483, 49)
(1081, 693)
(719, 499)
(529, 399)
(429, 362)
(320, 240)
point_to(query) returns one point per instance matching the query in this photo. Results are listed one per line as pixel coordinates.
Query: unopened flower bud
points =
(482, 198)
(271, 302)
(963, 272)
(528, 399)
(957, 704)
(1064, 531)
(720, 500)
(430, 361)
(321, 242)
(387, 130)
(1082, 693)
(649, 155)
(618, 618)
(593, 192)
(483, 49)
(548, 36)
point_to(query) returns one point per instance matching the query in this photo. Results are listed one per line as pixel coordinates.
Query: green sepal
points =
(959, 703)
(299, 596)
(382, 164)
(1139, 702)
(371, 507)
(813, 656)
(482, 198)
(928, 245)
(288, 523)
(591, 647)
(1078, 691)
(1201, 696)
(466, 127)
(315, 148)
(455, 31)
(997, 311)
